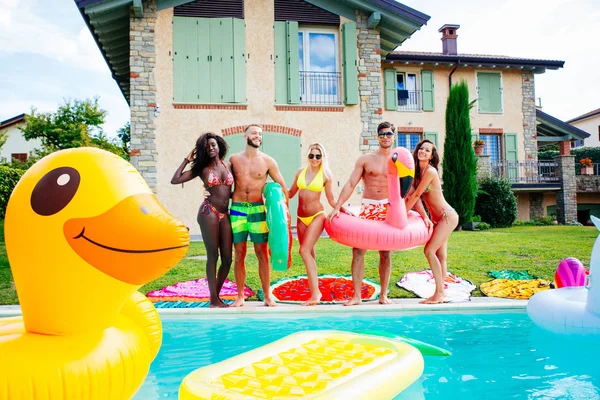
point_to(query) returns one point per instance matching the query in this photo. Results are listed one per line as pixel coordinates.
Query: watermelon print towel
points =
(422, 284)
(334, 289)
(195, 291)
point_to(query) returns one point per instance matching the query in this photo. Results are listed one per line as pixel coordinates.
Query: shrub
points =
(8, 180)
(537, 221)
(484, 226)
(496, 203)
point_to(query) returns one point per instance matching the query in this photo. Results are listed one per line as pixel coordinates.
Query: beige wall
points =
(16, 143)
(177, 129)
(591, 126)
(511, 119)
(522, 206)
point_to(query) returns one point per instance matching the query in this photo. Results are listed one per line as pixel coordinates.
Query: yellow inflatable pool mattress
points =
(311, 365)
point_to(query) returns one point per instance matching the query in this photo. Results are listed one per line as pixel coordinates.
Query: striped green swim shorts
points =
(248, 218)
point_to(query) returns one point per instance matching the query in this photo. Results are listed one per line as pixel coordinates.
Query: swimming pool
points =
(495, 355)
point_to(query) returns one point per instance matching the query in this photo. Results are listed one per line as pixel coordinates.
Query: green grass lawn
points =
(471, 255)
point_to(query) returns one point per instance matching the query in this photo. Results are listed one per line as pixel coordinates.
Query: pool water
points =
(495, 355)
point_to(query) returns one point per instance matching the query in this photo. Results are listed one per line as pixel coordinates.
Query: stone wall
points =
(370, 86)
(484, 167)
(536, 205)
(588, 184)
(566, 198)
(142, 61)
(529, 118)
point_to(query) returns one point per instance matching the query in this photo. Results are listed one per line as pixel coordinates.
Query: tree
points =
(76, 123)
(460, 164)
(124, 135)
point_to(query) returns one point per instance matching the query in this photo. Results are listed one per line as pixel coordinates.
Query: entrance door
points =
(285, 149)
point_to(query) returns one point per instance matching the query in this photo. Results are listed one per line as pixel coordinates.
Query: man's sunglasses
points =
(388, 134)
(317, 156)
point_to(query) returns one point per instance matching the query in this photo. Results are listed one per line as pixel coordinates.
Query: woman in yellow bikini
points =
(427, 185)
(309, 183)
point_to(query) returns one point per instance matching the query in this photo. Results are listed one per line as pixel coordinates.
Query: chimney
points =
(449, 39)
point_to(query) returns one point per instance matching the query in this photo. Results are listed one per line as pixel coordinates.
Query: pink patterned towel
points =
(195, 291)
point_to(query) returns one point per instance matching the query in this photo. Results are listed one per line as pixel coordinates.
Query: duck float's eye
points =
(55, 190)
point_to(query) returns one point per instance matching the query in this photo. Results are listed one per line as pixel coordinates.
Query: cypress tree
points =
(460, 163)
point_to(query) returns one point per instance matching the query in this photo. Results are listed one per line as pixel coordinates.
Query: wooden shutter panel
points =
(216, 54)
(427, 90)
(204, 82)
(495, 91)
(281, 62)
(474, 137)
(293, 63)
(433, 136)
(483, 92)
(511, 155)
(350, 64)
(239, 60)
(227, 73)
(178, 58)
(391, 99)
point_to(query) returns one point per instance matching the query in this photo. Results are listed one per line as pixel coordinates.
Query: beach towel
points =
(334, 289)
(195, 291)
(514, 289)
(511, 275)
(422, 284)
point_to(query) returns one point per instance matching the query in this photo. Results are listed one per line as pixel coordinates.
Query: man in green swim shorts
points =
(247, 213)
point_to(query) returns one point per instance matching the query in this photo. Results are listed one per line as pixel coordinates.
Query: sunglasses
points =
(383, 134)
(317, 156)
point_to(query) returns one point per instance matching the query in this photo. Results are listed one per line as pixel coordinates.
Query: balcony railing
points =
(595, 169)
(527, 172)
(409, 100)
(320, 88)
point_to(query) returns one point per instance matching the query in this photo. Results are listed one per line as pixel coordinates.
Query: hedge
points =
(8, 180)
(580, 152)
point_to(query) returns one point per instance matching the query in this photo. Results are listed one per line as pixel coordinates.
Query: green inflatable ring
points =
(280, 227)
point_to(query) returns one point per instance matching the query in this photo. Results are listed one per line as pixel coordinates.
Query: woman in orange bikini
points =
(427, 185)
(213, 218)
(309, 183)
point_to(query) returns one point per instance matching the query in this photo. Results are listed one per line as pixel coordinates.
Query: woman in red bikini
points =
(427, 185)
(213, 216)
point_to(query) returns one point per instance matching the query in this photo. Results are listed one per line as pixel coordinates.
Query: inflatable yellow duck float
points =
(83, 232)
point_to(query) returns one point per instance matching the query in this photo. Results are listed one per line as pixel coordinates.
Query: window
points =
(19, 156)
(492, 147)
(318, 63)
(307, 64)
(406, 91)
(489, 92)
(209, 60)
(409, 140)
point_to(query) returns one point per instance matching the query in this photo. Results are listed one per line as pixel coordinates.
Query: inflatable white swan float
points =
(571, 310)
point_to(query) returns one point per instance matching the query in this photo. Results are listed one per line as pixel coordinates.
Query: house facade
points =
(307, 71)
(16, 146)
(590, 123)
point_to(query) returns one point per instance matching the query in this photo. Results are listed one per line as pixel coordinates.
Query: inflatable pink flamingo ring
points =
(400, 230)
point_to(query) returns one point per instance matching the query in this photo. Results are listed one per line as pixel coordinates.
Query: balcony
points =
(320, 88)
(409, 100)
(529, 174)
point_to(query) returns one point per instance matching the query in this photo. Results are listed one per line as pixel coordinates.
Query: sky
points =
(47, 54)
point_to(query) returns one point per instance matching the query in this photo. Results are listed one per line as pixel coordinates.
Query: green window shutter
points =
(203, 26)
(350, 64)
(391, 99)
(489, 92)
(483, 92)
(433, 136)
(178, 58)
(280, 62)
(495, 91)
(427, 89)
(511, 155)
(227, 73)
(474, 136)
(239, 60)
(216, 53)
(293, 63)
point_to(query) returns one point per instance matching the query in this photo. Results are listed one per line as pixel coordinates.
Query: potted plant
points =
(587, 167)
(478, 145)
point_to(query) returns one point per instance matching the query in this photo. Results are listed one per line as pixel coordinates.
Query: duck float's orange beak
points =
(135, 242)
(405, 175)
